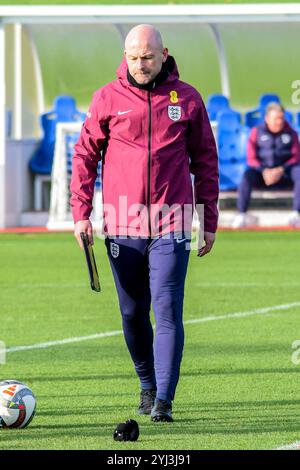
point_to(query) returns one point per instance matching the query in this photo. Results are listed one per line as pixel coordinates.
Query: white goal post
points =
(60, 217)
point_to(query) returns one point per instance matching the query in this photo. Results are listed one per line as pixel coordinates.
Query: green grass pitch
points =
(134, 2)
(238, 388)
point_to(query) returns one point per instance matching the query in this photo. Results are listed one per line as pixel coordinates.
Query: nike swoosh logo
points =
(124, 112)
(180, 241)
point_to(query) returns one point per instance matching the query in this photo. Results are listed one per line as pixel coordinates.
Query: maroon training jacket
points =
(150, 141)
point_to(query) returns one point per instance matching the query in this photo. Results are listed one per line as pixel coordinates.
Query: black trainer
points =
(147, 402)
(162, 411)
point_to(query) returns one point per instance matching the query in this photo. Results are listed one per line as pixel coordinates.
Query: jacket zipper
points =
(149, 162)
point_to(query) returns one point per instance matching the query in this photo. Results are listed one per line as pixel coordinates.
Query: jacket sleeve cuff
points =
(81, 215)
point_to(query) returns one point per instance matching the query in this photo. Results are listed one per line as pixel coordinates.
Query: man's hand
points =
(272, 175)
(267, 176)
(209, 239)
(84, 226)
(278, 173)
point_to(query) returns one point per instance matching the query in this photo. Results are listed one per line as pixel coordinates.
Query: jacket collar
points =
(169, 72)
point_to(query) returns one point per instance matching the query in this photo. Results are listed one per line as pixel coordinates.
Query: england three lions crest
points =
(174, 112)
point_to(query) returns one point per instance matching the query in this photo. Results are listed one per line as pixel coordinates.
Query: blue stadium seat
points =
(267, 98)
(256, 116)
(216, 103)
(298, 119)
(232, 147)
(288, 115)
(231, 175)
(228, 121)
(64, 110)
(8, 123)
(232, 144)
(253, 118)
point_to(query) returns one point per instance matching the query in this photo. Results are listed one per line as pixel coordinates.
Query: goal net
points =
(60, 216)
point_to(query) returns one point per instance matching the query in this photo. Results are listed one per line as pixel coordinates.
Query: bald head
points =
(144, 53)
(144, 33)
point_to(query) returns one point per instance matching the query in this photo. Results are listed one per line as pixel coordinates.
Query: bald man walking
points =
(151, 131)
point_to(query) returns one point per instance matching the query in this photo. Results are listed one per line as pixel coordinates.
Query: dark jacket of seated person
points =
(267, 149)
(273, 157)
(273, 150)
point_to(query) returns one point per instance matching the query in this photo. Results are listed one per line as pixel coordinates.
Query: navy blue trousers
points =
(253, 178)
(152, 271)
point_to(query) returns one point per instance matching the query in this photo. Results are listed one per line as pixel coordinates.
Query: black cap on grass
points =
(128, 431)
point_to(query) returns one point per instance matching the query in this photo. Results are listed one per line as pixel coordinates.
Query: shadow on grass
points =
(85, 411)
(230, 419)
(86, 395)
(180, 410)
(203, 372)
(195, 373)
(55, 378)
(246, 349)
(179, 430)
(240, 404)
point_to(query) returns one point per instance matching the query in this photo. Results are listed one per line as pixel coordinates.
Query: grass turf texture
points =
(139, 2)
(238, 386)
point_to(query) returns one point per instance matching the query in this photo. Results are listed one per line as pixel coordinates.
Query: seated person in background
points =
(273, 157)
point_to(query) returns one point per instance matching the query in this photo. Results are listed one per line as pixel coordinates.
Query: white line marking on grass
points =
(77, 339)
(257, 311)
(247, 284)
(293, 446)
